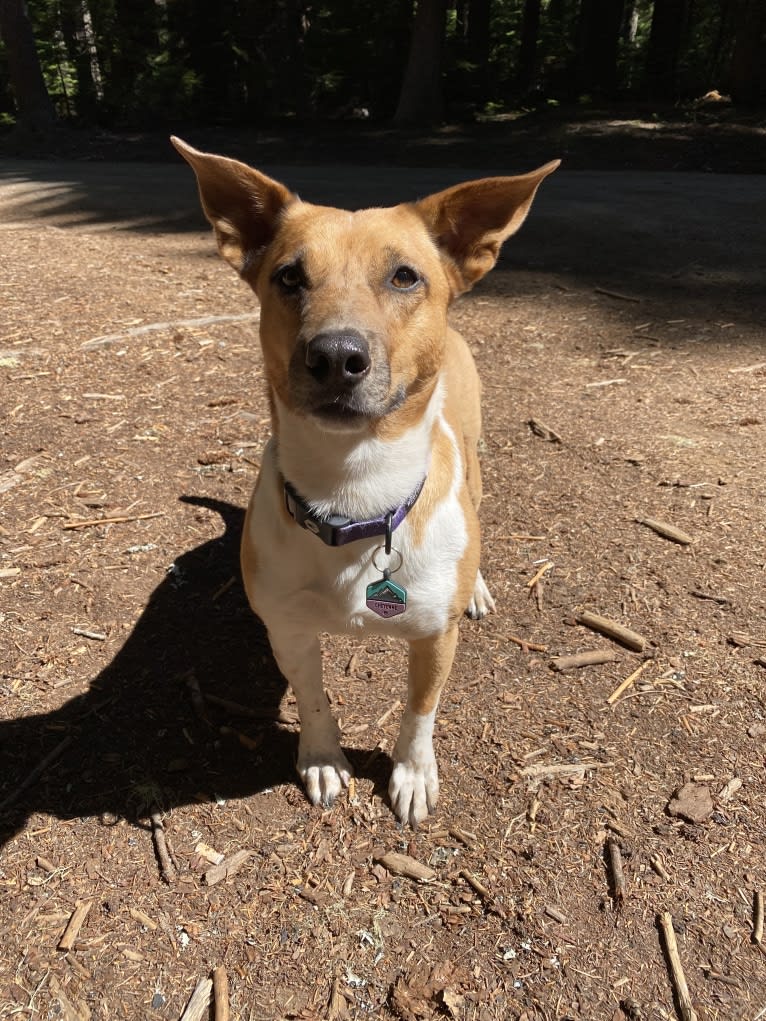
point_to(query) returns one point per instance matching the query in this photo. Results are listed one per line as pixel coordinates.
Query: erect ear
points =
(242, 204)
(470, 221)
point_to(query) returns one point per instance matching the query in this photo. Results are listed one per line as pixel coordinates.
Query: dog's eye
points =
(404, 279)
(289, 278)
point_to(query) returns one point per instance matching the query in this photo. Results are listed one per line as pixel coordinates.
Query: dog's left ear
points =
(470, 221)
(242, 204)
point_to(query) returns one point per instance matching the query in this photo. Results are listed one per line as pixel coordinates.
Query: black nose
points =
(338, 358)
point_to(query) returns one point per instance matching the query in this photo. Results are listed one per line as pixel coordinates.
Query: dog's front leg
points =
(414, 786)
(323, 767)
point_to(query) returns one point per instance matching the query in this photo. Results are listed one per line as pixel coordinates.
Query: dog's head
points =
(354, 305)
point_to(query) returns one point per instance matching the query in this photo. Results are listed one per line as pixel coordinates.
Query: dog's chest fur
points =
(323, 587)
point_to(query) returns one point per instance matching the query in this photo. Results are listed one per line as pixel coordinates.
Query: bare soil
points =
(133, 414)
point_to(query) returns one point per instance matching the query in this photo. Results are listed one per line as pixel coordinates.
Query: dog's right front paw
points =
(324, 776)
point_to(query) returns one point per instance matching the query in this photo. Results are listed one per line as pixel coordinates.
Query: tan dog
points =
(375, 411)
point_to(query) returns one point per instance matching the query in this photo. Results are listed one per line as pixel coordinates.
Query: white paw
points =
(414, 790)
(481, 602)
(324, 775)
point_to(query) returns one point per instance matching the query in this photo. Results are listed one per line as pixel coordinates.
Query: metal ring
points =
(381, 549)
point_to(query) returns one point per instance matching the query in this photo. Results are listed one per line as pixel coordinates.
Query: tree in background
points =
(142, 63)
(34, 107)
(421, 100)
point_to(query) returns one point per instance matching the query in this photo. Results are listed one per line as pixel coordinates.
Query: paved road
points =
(700, 234)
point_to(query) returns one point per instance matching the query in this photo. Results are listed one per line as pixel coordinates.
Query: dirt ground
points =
(140, 700)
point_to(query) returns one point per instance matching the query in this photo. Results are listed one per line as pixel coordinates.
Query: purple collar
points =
(335, 530)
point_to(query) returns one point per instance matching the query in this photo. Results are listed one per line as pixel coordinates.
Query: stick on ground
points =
(677, 976)
(626, 683)
(591, 658)
(74, 924)
(198, 1005)
(618, 877)
(758, 917)
(667, 531)
(610, 628)
(221, 994)
(167, 868)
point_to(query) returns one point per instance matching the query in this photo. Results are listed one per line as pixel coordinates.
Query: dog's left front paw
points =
(414, 791)
(481, 602)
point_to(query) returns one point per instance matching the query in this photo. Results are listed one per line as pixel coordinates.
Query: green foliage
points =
(137, 62)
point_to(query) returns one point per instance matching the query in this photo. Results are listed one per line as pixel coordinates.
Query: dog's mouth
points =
(353, 410)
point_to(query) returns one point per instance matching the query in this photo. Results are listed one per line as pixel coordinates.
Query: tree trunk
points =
(421, 100)
(600, 36)
(478, 44)
(747, 73)
(665, 42)
(530, 28)
(34, 106)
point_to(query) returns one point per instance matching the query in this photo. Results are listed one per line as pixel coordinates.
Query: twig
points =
(560, 768)
(197, 698)
(618, 877)
(405, 865)
(525, 645)
(228, 867)
(167, 868)
(543, 431)
(676, 970)
(138, 331)
(118, 519)
(95, 636)
(667, 531)
(274, 715)
(749, 368)
(605, 382)
(555, 914)
(391, 709)
(758, 917)
(627, 683)
(221, 993)
(475, 885)
(612, 630)
(617, 294)
(36, 772)
(590, 658)
(78, 916)
(547, 566)
(699, 594)
(198, 1005)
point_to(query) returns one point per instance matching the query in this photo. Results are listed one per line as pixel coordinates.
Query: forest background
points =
(122, 65)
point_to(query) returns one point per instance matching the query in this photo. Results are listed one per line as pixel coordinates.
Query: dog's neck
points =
(354, 474)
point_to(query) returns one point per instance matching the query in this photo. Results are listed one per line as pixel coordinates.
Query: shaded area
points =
(135, 737)
(686, 236)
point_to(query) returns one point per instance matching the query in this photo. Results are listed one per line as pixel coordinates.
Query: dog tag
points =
(386, 598)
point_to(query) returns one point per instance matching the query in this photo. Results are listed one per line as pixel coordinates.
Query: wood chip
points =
(555, 914)
(677, 976)
(627, 683)
(198, 1006)
(758, 917)
(543, 431)
(78, 916)
(610, 628)
(618, 877)
(143, 919)
(405, 865)
(580, 659)
(692, 802)
(228, 867)
(729, 789)
(667, 531)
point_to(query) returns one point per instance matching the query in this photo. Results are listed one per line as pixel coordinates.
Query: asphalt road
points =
(699, 234)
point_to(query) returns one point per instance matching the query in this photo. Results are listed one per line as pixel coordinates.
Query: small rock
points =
(692, 801)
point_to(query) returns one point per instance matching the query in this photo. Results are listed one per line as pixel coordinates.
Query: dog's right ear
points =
(242, 204)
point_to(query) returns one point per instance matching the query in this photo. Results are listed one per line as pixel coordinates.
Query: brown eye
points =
(289, 278)
(404, 279)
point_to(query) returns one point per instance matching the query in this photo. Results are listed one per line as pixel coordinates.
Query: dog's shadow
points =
(136, 736)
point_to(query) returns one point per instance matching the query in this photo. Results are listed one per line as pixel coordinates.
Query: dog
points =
(364, 517)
